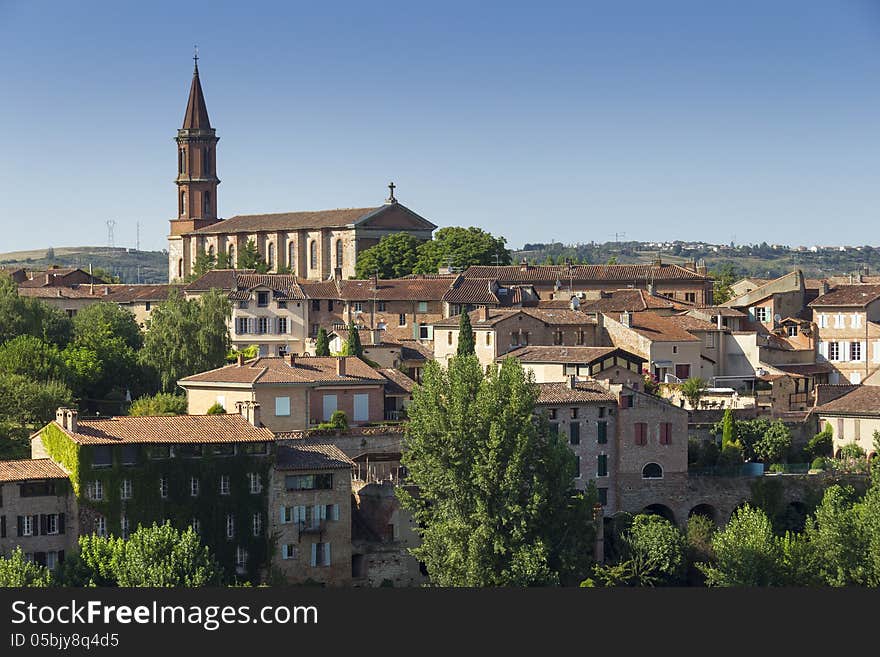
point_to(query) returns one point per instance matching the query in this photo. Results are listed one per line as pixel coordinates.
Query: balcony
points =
(314, 527)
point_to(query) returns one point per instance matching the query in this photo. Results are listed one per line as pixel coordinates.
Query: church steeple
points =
(196, 164)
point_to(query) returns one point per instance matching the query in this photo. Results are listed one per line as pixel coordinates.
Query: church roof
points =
(196, 117)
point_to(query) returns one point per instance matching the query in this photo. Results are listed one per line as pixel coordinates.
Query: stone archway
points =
(705, 510)
(660, 510)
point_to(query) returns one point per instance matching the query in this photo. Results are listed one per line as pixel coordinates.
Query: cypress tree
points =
(466, 345)
(322, 343)
(353, 344)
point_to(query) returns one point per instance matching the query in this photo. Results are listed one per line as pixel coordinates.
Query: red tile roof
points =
(657, 328)
(395, 289)
(136, 293)
(28, 469)
(307, 370)
(583, 391)
(230, 428)
(339, 218)
(580, 355)
(584, 273)
(310, 454)
(857, 296)
(398, 383)
(862, 400)
(630, 299)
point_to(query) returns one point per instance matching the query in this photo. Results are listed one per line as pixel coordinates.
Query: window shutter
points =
(44, 524)
(2, 526)
(35, 524)
(60, 556)
(863, 351)
(19, 525)
(326, 554)
(314, 559)
(283, 515)
(335, 512)
(823, 349)
(316, 514)
(60, 523)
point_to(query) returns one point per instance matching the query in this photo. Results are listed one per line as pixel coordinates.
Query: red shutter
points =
(666, 433)
(641, 433)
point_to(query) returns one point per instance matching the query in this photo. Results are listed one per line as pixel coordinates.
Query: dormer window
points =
(262, 299)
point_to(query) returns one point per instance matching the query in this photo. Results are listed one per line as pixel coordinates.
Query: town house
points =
(846, 319)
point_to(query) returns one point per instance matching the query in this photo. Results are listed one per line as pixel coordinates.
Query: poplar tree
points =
(322, 343)
(466, 346)
(353, 345)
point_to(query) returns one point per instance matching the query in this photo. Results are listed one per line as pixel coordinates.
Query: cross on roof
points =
(391, 198)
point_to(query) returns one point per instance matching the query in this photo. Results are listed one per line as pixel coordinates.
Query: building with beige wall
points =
(847, 319)
(292, 392)
(38, 511)
(310, 513)
(556, 364)
(853, 413)
(768, 304)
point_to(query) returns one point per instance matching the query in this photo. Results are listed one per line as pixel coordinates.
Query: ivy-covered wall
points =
(147, 506)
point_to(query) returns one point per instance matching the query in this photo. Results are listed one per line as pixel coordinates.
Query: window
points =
(602, 432)
(652, 471)
(792, 331)
(163, 486)
(401, 319)
(27, 525)
(309, 482)
(282, 406)
(230, 525)
(313, 255)
(601, 411)
(602, 465)
(675, 349)
(329, 305)
(839, 321)
(833, 351)
(580, 337)
(124, 526)
(95, 490)
(683, 372)
(270, 256)
(257, 524)
(573, 412)
(710, 340)
(339, 253)
(101, 526)
(224, 484)
(357, 306)
(761, 314)
(159, 452)
(361, 407)
(855, 351)
(130, 454)
(241, 557)
(554, 428)
(253, 448)
(551, 413)
(181, 160)
(51, 524)
(194, 486)
(282, 323)
(263, 325)
(206, 206)
(640, 431)
(423, 306)
(603, 496)
(320, 554)
(448, 337)
(289, 551)
(125, 489)
(291, 255)
(331, 512)
(316, 305)
(196, 525)
(424, 331)
(665, 433)
(32, 489)
(262, 299)
(231, 255)
(102, 456)
(380, 306)
(626, 401)
(329, 405)
(578, 466)
(254, 484)
(189, 451)
(574, 433)
(488, 338)
(53, 558)
(690, 297)
(242, 305)
(822, 320)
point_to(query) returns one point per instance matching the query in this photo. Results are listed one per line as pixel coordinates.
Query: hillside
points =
(130, 265)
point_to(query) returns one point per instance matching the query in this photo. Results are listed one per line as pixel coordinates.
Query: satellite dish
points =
(777, 318)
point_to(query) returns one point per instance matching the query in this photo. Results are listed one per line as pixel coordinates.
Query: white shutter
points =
(876, 356)
(335, 512)
(283, 515)
(314, 559)
(323, 512)
(316, 514)
(823, 349)
(326, 554)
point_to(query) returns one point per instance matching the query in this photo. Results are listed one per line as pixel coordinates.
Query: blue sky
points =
(746, 120)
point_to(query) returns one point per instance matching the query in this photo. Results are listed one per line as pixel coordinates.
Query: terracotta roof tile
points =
(578, 273)
(395, 289)
(230, 428)
(308, 370)
(657, 328)
(857, 296)
(134, 293)
(310, 454)
(338, 218)
(27, 469)
(398, 382)
(583, 391)
(862, 400)
(580, 355)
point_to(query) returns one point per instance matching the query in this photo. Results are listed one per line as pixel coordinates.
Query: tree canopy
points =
(249, 258)
(322, 343)
(496, 504)
(16, 571)
(394, 256)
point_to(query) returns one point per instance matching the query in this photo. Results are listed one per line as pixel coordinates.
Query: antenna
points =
(111, 237)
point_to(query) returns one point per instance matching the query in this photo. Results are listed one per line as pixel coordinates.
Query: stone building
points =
(293, 392)
(310, 504)
(38, 511)
(853, 412)
(309, 245)
(556, 364)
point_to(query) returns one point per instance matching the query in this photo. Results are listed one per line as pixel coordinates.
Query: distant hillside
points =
(131, 266)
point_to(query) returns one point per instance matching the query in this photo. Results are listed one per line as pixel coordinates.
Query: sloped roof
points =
(658, 328)
(196, 116)
(134, 293)
(398, 383)
(856, 296)
(862, 400)
(580, 355)
(306, 370)
(632, 299)
(551, 273)
(583, 391)
(311, 454)
(791, 282)
(216, 279)
(29, 469)
(227, 428)
(411, 288)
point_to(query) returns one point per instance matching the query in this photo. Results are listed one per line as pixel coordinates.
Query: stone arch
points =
(291, 255)
(270, 256)
(232, 256)
(652, 471)
(660, 510)
(705, 510)
(210, 250)
(795, 516)
(180, 268)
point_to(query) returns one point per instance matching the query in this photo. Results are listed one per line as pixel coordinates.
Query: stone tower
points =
(196, 178)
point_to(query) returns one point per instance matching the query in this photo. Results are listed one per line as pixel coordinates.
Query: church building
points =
(311, 245)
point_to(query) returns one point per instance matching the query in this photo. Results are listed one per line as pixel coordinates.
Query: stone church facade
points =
(310, 245)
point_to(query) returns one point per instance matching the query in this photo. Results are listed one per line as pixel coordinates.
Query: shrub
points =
(818, 463)
(163, 403)
(851, 452)
(776, 467)
(338, 422)
(731, 455)
(822, 443)
(216, 409)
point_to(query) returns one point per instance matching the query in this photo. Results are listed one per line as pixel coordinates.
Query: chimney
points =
(71, 420)
(48, 279)
(484, 314)
(59, 416)
(600, 324)
(823, 287)
(574, 303)
(651, 289)
(106, 291)
(241, 359)
(254, 415)
(572, 381)
(702, 270)
(376, 336)
(375, 281)
(337, 273)
(523, 265)
(719, 320)
(626, 319)
(292, 359)
(340, 366)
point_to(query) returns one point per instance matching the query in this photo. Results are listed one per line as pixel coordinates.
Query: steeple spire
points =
(196, 117)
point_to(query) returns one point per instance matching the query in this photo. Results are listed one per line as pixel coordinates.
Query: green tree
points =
(187, 336)
(837, 533)
(162, 403)
(28, 403)
(461, 248)
(322, 343)
(496, 504)
(204, 263)
(17, 572)
(699, 533)
(660, 544)
(34, 358)
(747, 553)
(774, 444)
(249, 258)
(394, 256)
(693, 389)
(822, 444)
(23, 316)
(352, 346)
(722, 279)
(216, 409)
(156, 556)
(466, 346)
(728, 433)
